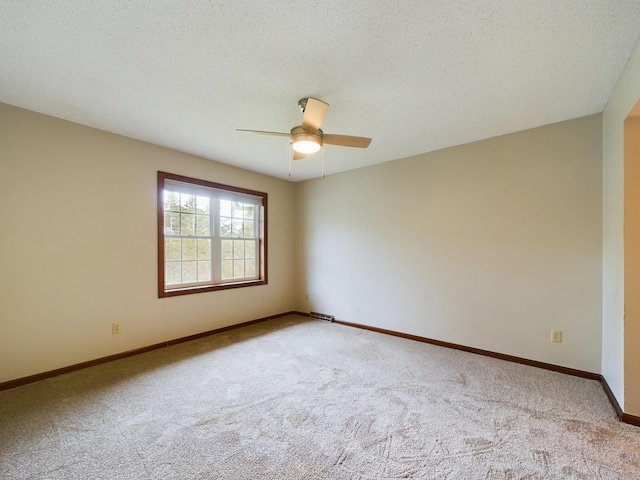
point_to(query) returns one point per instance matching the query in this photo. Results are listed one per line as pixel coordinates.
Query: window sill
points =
(209, 288)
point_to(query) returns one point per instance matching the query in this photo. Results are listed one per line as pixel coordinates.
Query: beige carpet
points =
(295, 398)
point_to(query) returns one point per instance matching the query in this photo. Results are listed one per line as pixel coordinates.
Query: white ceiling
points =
(415, 76)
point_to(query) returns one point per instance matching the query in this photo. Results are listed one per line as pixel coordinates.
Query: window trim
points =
(262, 241)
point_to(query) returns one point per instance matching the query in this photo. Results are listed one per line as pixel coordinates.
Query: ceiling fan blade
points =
(298, 155)
(346, 140)
(314, 114)
(262, 132)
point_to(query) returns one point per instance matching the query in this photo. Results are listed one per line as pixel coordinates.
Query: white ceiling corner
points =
(416, 76)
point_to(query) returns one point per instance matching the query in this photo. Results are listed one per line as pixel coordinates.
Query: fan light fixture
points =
(306, 142)
(308, 138)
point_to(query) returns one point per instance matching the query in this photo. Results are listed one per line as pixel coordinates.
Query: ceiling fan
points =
(309, 138)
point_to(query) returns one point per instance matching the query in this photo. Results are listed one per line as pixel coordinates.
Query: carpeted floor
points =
(295, 398)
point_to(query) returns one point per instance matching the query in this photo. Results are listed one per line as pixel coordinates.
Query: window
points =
(210, 236)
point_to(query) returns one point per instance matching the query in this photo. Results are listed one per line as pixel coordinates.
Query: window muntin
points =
(211, 236)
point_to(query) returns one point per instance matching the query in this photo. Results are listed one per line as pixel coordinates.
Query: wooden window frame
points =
(163, 291)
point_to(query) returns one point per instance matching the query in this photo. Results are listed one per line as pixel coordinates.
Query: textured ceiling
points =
(415, 76)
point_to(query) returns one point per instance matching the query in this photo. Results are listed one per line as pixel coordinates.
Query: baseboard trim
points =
(624, 417)
(630, 419)
(478, 351)
(110, 358)
(612, 398)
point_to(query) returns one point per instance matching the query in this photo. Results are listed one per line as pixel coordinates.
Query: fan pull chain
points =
(290, 156)
(322, 162)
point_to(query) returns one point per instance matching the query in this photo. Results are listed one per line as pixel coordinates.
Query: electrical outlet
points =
(556, 336)
(115, 328)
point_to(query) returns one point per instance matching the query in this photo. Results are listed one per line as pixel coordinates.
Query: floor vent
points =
(322, 316)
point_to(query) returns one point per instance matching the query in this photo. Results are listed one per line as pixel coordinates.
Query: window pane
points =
(188, 249)
(227, 249)
(225, 227)
(238, 210)
(250, 268)
(237, 228)
(187, 224)
(172, 273)
(202, 205)
(249, 212)
(171, 201)
(238, 249)
(189, 272)
(204, 271)
(248, 229)
(172, 248)
(250, 249)
(227, 269)
(238, 268)
(202, 225)
(171, 223)
(187, 203)
(204, 249)
(225, 208)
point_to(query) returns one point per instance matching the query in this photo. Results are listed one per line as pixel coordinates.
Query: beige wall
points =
(625, 95)
(78, 246)
(490, 244)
